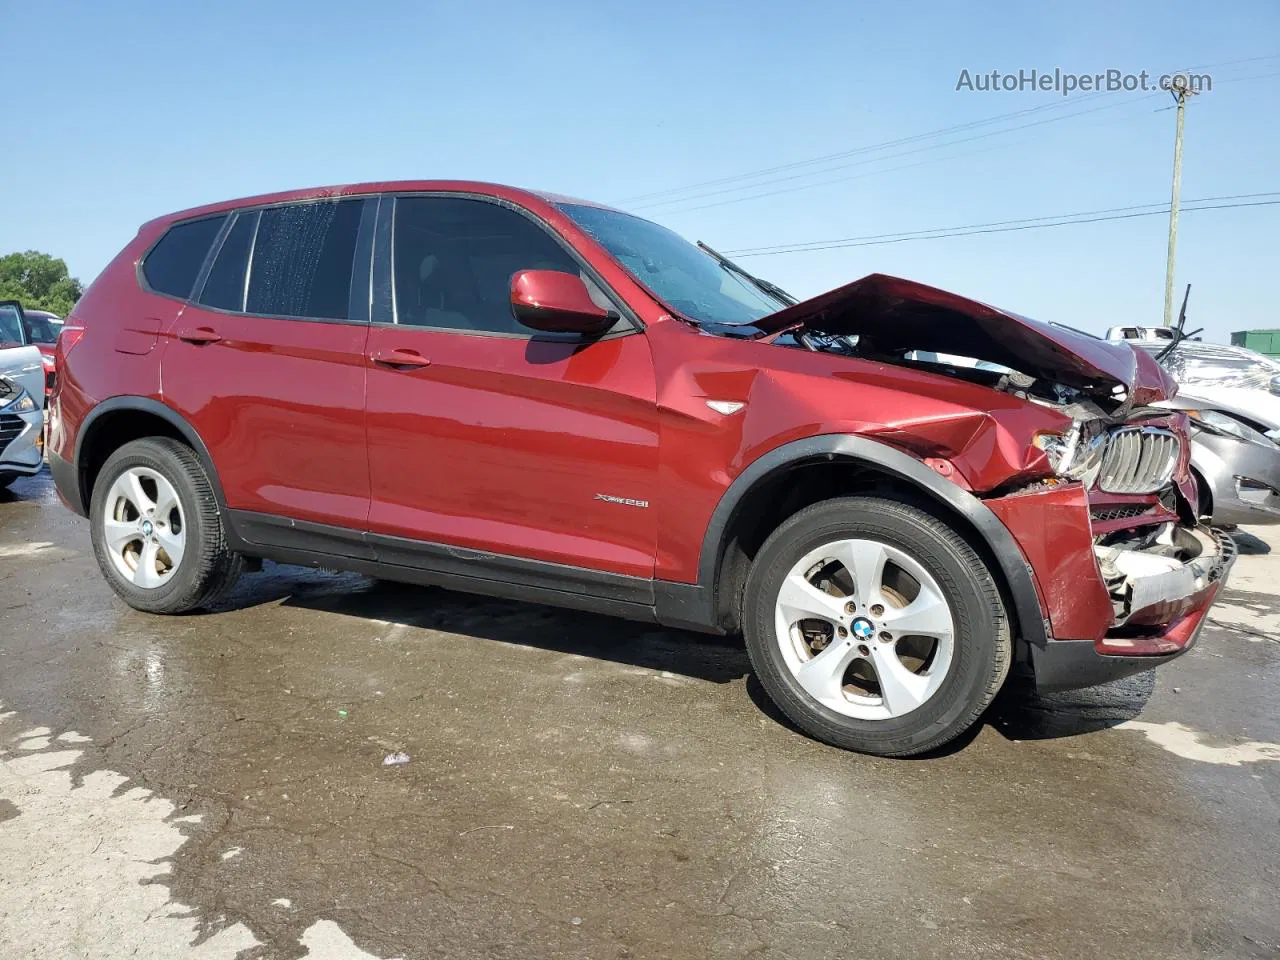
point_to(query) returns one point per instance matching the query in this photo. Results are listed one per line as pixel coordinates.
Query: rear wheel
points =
(156, 530)
(875, 627)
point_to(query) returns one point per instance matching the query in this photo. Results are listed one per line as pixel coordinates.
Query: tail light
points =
(68, 337)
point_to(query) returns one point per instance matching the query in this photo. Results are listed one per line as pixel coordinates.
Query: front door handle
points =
(199, 335)
(401, 359)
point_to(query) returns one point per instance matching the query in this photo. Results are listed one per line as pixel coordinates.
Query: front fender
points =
(886, 459)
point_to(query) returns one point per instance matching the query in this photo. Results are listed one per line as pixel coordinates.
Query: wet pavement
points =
(213, 786)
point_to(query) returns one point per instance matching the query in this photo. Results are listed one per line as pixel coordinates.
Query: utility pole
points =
(1180, 90)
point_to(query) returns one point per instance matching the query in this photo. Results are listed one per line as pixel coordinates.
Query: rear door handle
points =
(401, 359)
(199, 335)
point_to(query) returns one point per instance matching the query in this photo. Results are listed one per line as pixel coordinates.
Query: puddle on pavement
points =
(1189, 744)
(101, 851)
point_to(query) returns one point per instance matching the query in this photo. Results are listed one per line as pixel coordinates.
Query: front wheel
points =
(156, 530)
(875, 626)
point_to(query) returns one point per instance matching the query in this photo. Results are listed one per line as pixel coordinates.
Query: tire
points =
(6, 479)
(187, 519)
(851, 706)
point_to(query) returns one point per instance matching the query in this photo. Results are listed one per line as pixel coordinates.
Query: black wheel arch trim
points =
(156, 408)
(1013, 563)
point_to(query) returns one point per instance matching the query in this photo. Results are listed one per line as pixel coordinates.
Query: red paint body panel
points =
(101, 370)
(507, 445)
(503, 443)
(280, 406)
(789, 394)
(1053, 530)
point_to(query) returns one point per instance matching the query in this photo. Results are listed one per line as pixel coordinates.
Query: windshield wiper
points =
(1178, 335)
(771, 289)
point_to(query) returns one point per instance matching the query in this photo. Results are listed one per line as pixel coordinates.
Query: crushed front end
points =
(1061, 435)
(1126, 573)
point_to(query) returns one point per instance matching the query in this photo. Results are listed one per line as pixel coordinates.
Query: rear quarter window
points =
(225, 286)
(174, 263)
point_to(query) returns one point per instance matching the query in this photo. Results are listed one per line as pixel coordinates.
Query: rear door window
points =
(174, 263)
(304, 260)
(224, 288)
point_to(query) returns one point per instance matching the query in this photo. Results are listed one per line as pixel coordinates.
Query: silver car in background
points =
(1239, 382)
(21, 398)
(1232, 396)
(1237, 466)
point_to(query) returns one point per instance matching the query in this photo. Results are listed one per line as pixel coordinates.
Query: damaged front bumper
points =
(1159, 578)
(1118, 603)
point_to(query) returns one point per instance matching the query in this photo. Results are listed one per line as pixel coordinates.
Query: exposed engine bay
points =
(982, 372)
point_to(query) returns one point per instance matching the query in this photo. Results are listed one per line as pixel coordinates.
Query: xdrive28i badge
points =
(624, 501)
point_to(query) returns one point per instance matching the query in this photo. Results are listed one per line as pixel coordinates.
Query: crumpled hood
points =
(890, 314)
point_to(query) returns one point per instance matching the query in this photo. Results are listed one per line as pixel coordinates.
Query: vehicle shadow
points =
(1019, 712)
(23, 488)
(1249, 545)
(647, 645)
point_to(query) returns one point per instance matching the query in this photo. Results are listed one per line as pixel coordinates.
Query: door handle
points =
(401, 359)
(199, 335)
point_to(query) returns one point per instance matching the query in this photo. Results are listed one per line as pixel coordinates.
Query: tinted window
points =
(303, 259)
(42, 327)
(454, 260)
(10, 326)
(225, 286)
(174, 263)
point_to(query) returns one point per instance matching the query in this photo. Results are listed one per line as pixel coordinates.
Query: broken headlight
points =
(1076, 455)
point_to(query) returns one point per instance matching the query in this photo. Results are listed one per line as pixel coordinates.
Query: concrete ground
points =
(213, 786)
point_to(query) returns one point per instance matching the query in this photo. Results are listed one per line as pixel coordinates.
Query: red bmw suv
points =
(894, 493)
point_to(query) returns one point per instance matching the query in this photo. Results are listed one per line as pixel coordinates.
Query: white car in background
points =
(1240, 383)
(1157, 334)
(21, 398)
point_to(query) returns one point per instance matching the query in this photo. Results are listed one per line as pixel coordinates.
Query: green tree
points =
(39, 282)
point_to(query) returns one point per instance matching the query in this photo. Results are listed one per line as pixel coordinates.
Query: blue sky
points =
(132, 109)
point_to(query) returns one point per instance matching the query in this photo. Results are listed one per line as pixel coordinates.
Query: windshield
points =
(43, 327)
(677, 272)
(1221, 366)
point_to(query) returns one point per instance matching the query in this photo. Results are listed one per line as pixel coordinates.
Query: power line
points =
(1231, 63)
(822, 183)
(844, 179)
(1164, 207)
(868, 148)
(893, 156)
(671, 196)
(942, 233)
(1256, 76)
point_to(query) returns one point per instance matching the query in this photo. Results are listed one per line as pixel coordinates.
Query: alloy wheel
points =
(143, 527)
(864, 628)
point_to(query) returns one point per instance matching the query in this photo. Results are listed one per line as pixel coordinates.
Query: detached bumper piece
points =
(1162, 584)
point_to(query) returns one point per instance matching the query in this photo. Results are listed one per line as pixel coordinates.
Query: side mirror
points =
(556, 302)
